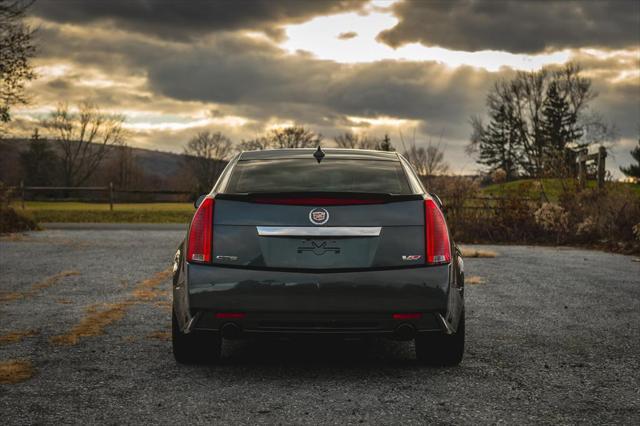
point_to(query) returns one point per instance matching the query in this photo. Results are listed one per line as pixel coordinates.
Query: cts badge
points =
(319, 216)
(412, 257)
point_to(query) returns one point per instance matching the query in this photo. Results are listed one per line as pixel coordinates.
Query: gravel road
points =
(553, 337)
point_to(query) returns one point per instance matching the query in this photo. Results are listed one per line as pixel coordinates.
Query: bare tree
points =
(205, 156)
(294, 137)
(477, 133)
(576, 88)
(288, 137)
(353, 141)
(85, 137)
(596, 130)
(16, 51)
(124, 169)
(428, 161)
(539, 114)
(256, 144)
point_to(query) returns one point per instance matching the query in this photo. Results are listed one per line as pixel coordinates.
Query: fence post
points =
(602, 154)
(582, 169)
(111, 196)
(22, 193)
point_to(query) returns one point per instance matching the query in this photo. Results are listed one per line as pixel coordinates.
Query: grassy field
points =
(51, 211)
(62, 211)
(552, 187)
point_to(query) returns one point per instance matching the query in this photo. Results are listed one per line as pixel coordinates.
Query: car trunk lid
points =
(319, 230)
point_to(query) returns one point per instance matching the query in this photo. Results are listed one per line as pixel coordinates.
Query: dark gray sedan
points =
(337, 242)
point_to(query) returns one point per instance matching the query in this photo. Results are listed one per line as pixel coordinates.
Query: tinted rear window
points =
(306, 175)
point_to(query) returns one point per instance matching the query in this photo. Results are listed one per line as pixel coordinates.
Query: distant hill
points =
(158, 163)
(162, 168)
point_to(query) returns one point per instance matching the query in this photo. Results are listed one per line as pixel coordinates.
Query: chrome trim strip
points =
(447, 327)
(189, 326)
(328, 231)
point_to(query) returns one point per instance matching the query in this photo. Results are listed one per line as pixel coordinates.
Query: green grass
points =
(60, 211)
(552, 187)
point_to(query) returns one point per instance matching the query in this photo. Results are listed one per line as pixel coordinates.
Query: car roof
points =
(340, 153)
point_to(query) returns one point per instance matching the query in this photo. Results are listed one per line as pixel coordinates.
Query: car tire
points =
(197, 347)
(441, 349)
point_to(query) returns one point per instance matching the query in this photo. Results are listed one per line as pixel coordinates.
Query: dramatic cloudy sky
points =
(419, 68)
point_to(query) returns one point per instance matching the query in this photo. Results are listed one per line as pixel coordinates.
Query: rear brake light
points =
(201, 233)
(409, 316)
(437, 242)
(230, 315)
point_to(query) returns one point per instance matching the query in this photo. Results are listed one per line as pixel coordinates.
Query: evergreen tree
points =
(39, 162)
(544, 108)
(559, 129)
(499, 143)
(634, 169)
(385, 144)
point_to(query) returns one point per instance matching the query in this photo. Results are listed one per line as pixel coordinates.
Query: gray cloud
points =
(262, 81)
(620, 104)
(186, 20)
(523, 26)
(237, 75)
(254, 78)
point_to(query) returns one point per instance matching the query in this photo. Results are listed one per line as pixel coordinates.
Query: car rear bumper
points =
(360, 302)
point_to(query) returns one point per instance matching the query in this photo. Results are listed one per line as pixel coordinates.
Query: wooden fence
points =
(110, 191)
(488, 203)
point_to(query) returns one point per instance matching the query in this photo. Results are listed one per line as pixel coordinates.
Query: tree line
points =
(207, 152)
(537, 123)
(84, 144)
(77, 145)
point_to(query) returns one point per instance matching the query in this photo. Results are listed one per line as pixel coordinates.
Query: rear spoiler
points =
(319, 198)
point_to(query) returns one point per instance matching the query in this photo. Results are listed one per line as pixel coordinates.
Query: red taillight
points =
(201, 233)
(437, 242)
(230, 315)
(409, 316)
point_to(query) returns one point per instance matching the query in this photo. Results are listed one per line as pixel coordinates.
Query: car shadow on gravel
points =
(318, 354)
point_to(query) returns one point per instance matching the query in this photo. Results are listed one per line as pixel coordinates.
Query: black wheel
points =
(441, 349)
(196, 347)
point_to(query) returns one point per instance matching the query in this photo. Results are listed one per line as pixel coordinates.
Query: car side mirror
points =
(437, 199)
(199, 201)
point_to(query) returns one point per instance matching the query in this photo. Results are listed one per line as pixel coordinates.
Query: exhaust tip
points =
(405, 332)
(231, 331)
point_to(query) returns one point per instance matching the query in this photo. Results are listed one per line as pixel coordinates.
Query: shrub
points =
(475, 218)
(553, 218)
(10, 219)
(587, 229)
(499, 176)
(607, 216)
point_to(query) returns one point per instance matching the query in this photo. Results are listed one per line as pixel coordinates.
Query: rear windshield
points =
(307, 175)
